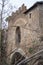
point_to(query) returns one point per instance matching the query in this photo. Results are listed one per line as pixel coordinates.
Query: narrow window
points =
(18, 35)
(41, 38)
(30, 15)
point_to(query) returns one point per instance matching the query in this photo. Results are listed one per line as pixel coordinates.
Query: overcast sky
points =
(28, 3)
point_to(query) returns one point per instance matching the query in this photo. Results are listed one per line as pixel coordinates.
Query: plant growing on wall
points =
(31, 50)
(35, 44)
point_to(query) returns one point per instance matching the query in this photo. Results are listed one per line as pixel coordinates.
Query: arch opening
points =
(16, 58)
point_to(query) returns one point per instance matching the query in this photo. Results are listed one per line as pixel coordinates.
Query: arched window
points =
(18, 35)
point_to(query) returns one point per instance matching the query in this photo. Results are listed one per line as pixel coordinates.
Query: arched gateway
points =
(17, 56)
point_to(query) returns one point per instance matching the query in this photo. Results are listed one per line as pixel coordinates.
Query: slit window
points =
(18, 35)
(30, 15)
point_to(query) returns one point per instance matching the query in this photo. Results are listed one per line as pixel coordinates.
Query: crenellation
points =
(21, 9)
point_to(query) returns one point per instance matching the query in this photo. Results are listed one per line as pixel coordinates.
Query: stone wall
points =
(41, 18)
(30, 31)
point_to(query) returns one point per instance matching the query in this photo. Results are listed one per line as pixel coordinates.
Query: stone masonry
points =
(29, 24)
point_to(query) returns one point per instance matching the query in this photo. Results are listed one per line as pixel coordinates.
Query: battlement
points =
(21, 9)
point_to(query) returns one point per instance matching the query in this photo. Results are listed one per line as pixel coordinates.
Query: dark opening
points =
(30, 15)
(18, 35)
(41, 38)
(17, 57)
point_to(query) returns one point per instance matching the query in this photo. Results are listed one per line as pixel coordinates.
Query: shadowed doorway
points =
(16, 58)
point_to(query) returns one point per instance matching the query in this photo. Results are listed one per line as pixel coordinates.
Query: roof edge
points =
(34, 5)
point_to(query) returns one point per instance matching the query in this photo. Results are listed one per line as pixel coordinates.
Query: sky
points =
(28, 3)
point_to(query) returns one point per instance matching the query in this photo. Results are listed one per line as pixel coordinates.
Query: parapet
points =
(21, 9)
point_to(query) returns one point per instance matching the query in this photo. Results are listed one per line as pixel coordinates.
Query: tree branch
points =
(0, 3)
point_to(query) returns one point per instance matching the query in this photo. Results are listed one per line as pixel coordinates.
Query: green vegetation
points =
(31, 50)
